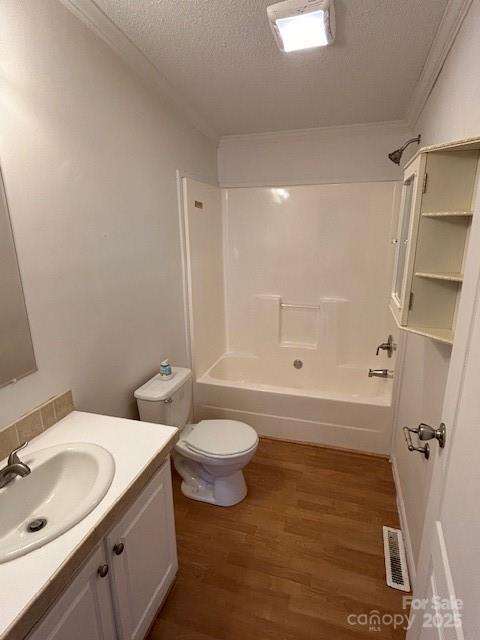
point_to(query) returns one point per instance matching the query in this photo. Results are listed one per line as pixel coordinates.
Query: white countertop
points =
(133, 445)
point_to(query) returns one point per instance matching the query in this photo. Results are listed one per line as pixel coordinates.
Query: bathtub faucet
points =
(380, 373)
(389, 346)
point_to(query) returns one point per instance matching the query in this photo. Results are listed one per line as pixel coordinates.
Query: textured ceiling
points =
(220, 57)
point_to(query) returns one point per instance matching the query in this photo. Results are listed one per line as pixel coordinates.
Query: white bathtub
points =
(332, 405)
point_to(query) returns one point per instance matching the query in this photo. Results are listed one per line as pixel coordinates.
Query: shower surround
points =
(288, 302)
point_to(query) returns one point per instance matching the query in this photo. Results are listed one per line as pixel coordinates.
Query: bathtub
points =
(338, 406)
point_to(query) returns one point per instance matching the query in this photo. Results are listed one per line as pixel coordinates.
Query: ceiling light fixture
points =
(300, 24)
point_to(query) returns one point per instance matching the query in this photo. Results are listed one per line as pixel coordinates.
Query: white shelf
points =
(441, 335)
(448, 276)
(447, 214)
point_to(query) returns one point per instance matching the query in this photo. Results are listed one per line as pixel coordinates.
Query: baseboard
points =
(403, 522)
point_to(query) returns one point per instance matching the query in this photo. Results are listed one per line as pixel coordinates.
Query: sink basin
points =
(66, 483)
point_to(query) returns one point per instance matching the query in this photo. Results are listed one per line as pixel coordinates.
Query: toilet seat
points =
(221, 438)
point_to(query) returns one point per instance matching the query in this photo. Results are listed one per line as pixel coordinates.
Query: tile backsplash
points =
(34, 422)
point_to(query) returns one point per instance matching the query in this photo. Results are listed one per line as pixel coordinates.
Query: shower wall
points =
(309, 268)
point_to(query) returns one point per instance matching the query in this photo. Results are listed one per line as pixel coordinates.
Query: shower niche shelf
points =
(432, 238)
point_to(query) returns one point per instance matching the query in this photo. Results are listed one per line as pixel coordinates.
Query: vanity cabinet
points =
(118, 591)
(85, 610)
(143, 558)
(432, 238)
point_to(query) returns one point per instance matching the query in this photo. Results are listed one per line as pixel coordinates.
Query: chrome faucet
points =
(380, 373)
(389, 346)
(15, 467)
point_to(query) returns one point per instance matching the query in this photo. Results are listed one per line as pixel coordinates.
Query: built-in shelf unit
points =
(434, 225)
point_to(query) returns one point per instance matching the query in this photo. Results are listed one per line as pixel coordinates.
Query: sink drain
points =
(36, 525)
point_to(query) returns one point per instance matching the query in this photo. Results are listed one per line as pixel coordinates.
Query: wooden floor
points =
(291, 562)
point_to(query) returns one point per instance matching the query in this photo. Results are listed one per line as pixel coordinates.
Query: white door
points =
(143, 557)
(446, 603)
(85, 610)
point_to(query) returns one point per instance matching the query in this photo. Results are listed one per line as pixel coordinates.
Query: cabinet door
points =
(84, 610)
(143, 557)
(407, 238)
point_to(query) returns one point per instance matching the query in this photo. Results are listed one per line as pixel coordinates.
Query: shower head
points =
(395, 156)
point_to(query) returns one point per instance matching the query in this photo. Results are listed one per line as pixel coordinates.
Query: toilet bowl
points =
(209, 456)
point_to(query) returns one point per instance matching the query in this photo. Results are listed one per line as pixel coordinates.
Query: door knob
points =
(118, 548)
(426, 432)
(102, 570)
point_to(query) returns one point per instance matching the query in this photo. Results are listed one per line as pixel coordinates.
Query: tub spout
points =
(380, 373)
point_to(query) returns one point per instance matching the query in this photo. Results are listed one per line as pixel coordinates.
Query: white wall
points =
(452, 112)
(89, 155)
(327, 245)
(355, 153)
(204, 253)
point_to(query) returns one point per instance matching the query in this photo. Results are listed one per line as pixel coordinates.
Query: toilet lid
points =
(221, 437)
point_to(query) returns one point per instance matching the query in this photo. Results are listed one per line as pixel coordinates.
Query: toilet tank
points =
(167, 401)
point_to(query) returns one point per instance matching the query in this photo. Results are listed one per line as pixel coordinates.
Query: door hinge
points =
(410, 302)
(425, 182)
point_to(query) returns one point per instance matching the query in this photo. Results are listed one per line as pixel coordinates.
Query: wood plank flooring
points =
(291, 562)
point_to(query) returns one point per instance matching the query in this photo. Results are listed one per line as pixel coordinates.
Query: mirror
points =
(17, 358)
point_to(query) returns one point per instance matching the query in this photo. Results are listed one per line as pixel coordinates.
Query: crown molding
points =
(315, 132)
(452, 20)
(91, 15)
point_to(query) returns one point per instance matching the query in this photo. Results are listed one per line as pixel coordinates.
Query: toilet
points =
(210, 455)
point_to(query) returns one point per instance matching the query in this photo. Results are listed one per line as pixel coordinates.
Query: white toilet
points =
(209, 455)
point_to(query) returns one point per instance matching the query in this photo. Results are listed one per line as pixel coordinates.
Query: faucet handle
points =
(13, 458)
(388, 346)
